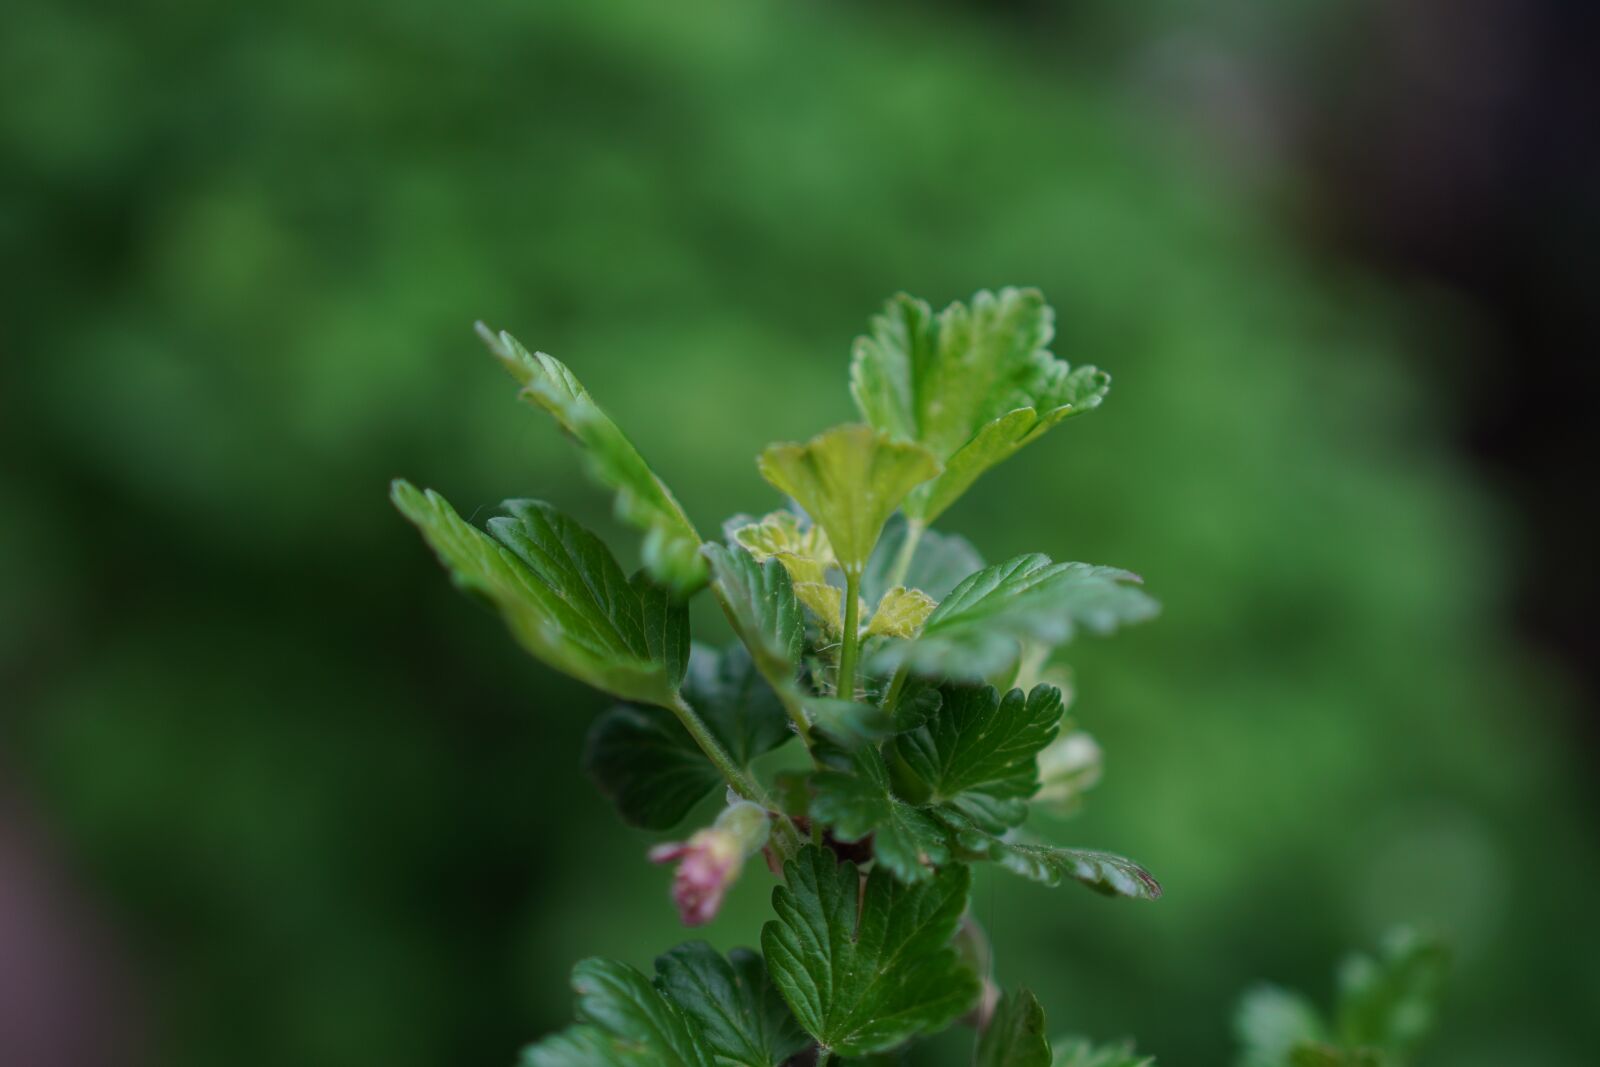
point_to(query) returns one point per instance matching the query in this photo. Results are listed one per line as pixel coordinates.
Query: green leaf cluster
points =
(888, 649)
(1384, 1007)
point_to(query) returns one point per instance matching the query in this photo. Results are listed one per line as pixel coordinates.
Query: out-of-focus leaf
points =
(758, 599)
(1069, 767)
(1271, 1022)
(900, 613)
(1015, 1036)
(671, 549)
(743, 1021)
(561, 593)
(977, 753)
(1104, 872)
(973, 384)
(855, 801)
(1389, 1001)
(805, 553)
(938, 563)
(646, 762)
(865, 968)
(847, 722)
(849, 479)
(1077, 1052)
(976, 630)
(623, 1021)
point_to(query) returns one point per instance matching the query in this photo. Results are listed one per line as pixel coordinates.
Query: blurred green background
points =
(276, 794)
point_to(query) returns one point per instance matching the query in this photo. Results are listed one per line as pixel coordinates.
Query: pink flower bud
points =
(710, 861)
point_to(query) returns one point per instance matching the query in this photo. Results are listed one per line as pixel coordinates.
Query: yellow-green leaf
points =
(901, 613)
(805, 553)
(849, 479)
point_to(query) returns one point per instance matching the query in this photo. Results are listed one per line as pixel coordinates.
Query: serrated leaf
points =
(849, 479)
(938, 563)
(624, 1021)
(855, 801)
(976, 631)
(1270, 1022)
(1389, 1001)
(646, 762)
(671, 550)
(804, 552)
(977, 753)
(1077, 1052)
(973, 384)
(900, 613)
(743, 1021)
(758, 599)
(561, 593)
(865, 967)
(1015, 1036)
(1105, 872)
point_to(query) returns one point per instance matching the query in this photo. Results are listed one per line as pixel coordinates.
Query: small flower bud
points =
(710, 861)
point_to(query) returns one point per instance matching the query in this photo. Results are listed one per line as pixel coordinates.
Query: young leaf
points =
(972, 385)
(937, 565)
(900, 613)
(805, 553)
(561, 593)
(1389, 1002)
(1076, 1052)
(976, 630)
(1015, 1036)
(978, 752)
(865, 968)
(855, 801)
(646, 762)
(624, 1021)
(1271, 1022)
(671, 545)
(743, 1022)
(849, 479)
(759, 601)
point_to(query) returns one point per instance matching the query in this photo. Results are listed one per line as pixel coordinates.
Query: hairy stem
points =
(908, 551)
(823, 1056)
(846, 689)
(797, 712)
(891, 699)
(737, 779)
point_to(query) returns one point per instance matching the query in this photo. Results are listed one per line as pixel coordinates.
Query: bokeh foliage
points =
(340, 819)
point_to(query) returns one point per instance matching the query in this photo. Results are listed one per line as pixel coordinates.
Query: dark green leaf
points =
(1015, 1035)
(976, 631)
(759, 600)
(978, 752)
(623, 1021)
(855, 801)
(743, 1020)
(561, 593)
(865, 968)
(646, 762)
(972, 385)
(671, 545)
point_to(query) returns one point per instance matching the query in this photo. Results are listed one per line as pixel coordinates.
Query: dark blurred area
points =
(271, 792)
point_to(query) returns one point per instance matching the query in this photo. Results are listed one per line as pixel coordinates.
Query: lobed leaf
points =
(1077, 1052)
(758, 599)
(743, 1021)
(1015, 1036)
(1389, 1001)
(973, 384)
(671, 548)
(976, 631)
(900, 613)
(849, 479)
(977, 753)
(804, 552)
(855, 802)
(561, 593)
(865, 967)
(624, 1021)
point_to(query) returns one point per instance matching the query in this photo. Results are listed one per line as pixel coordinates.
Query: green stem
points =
(797, 712)
(737, 779)
(891, 699)
(908, 550)
(823, 1056)
(846, 689)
